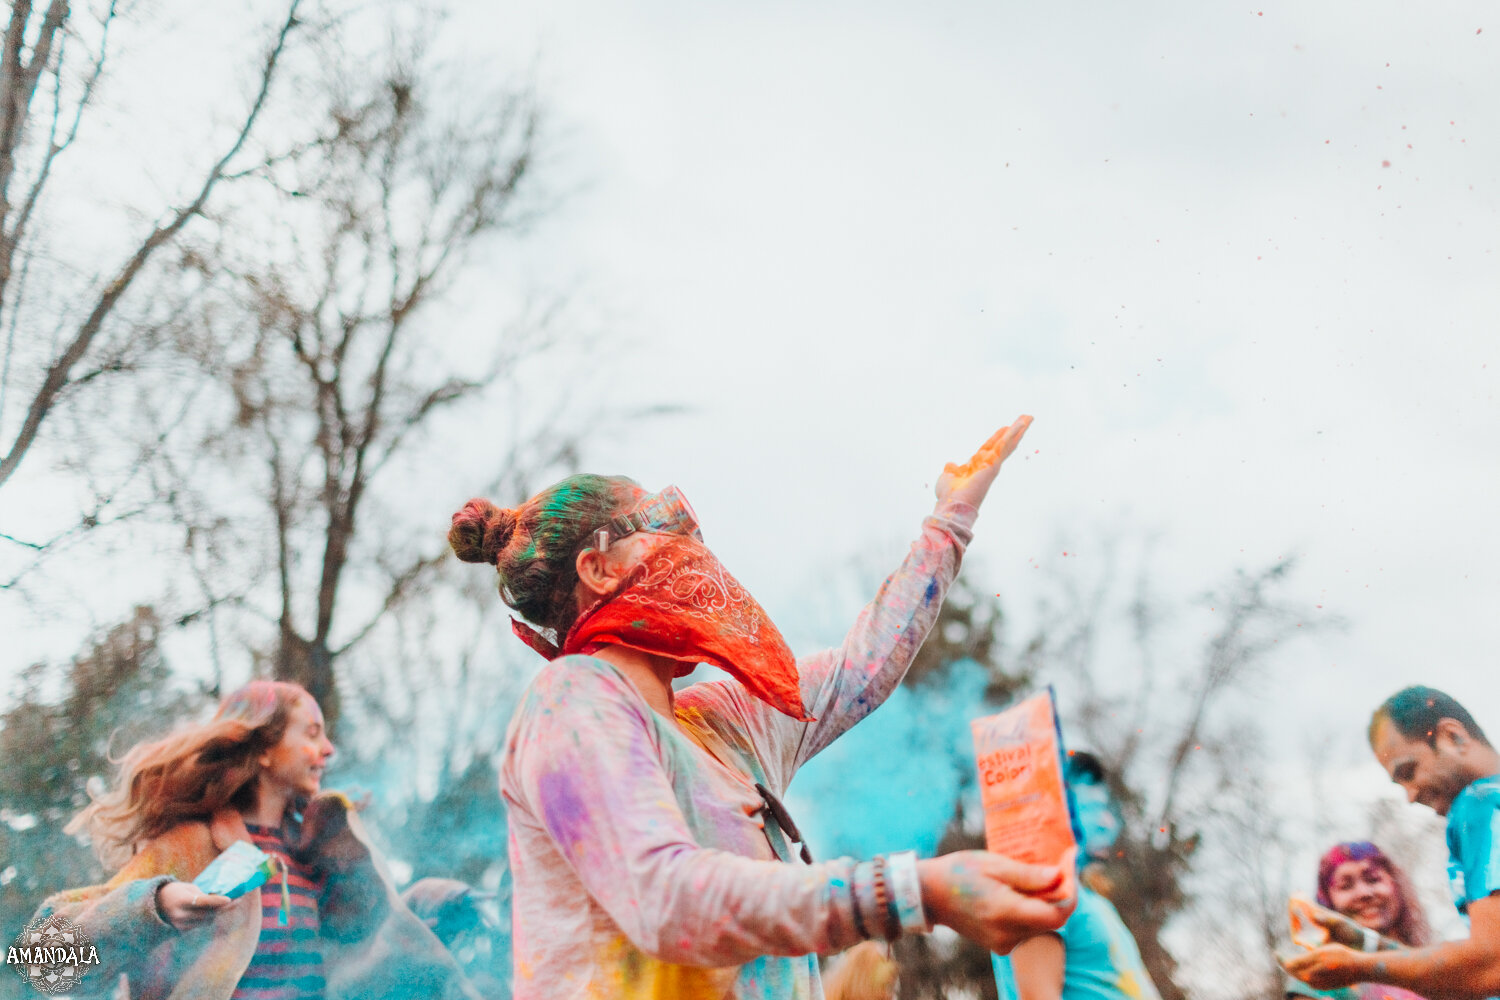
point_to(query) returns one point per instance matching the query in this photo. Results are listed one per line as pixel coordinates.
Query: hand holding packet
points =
(1314, 926)
(1026, 810)
(239, 869)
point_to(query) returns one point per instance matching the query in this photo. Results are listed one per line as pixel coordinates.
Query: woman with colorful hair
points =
(650, 852)
(325, 925)
(1358, 880)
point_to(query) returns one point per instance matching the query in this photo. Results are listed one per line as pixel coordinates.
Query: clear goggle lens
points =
(667, 512)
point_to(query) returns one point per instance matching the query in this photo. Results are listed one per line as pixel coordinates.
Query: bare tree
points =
(1182, 737)
(44, 104)
(322, 335)
(1207, 848)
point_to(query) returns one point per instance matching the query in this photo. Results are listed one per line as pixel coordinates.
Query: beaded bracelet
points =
(885, 904)
(869, 904)
(859, 889)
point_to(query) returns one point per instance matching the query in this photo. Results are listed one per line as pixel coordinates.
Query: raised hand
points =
(971, 481)
(994, 901)
(185, 906)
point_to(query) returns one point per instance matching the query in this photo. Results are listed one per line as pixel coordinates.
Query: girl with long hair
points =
(252, 773)
(1359, 880)
(650, 852)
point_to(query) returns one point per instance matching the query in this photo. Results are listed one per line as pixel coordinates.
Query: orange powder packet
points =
(1302, 913)
(1020, 754)
(1314, 926)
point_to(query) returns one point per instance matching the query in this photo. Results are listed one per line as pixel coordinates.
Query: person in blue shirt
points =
(1093, 956)
(1430, 745)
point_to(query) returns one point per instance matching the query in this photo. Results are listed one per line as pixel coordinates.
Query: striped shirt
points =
(287, 964)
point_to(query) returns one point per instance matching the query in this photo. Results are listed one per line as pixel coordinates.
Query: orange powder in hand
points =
(1019, 752)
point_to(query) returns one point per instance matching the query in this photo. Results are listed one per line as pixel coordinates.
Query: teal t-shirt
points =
(1102, 961)
(1474, 842)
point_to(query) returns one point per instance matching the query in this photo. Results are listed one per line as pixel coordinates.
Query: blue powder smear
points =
(891, 782)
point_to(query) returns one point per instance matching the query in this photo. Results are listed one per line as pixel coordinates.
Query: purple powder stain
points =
(563, 809)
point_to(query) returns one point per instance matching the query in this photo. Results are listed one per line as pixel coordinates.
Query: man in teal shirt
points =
(1430, 745)
(1093, 956)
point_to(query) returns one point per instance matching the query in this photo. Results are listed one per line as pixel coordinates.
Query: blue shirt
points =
(1474, 842)
(1102, 961)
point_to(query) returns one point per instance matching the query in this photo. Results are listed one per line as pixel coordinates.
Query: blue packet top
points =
(239, 869)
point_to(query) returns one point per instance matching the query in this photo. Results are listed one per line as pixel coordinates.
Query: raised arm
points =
(841, 686)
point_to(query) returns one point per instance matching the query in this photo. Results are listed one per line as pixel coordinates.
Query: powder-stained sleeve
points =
(841, 686)
(585, 763)
(121, 922)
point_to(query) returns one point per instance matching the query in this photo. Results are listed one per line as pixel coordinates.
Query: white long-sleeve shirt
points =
(641, 865)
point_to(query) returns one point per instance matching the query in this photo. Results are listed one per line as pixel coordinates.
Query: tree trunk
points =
(311, 665)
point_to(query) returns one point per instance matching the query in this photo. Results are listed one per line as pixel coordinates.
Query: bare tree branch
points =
(58, 373)
(38, 546)
(402, 584)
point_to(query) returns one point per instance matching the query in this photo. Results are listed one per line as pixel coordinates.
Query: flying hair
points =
(190, 774)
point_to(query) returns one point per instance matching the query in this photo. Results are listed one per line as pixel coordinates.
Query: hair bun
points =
(481, 531)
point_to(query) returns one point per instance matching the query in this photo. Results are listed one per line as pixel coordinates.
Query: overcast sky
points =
(1239, 260)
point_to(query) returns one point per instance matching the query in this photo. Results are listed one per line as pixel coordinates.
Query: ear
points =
(597, 574)
(1454, 732)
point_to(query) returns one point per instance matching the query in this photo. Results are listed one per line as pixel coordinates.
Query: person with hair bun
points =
(650, 852)
(327, 925)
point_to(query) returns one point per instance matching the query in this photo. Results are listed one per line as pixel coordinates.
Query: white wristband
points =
(1371, 939)
(906, 890)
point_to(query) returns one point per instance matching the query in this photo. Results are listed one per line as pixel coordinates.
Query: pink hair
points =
(1410, 926)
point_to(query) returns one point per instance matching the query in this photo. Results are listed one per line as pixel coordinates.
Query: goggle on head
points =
(667, 512)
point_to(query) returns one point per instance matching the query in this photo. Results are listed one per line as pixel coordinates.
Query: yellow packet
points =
(1019, 753)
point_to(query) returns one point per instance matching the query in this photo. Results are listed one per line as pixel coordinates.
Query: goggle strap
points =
(665, 512)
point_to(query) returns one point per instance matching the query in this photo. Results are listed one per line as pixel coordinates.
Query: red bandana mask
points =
(682, 604)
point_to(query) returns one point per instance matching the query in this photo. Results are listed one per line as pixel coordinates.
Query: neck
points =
(1485, 763)
(270, 806)
(651, 675)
